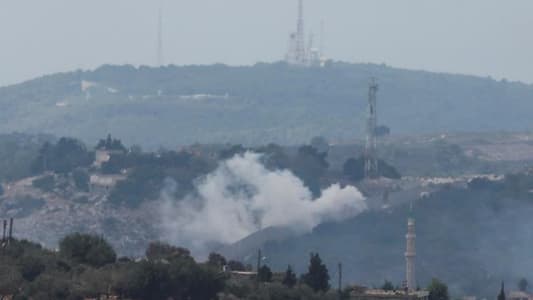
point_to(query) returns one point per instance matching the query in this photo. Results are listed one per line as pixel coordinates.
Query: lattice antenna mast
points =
(159, 59)
(300, 35)
(322, 39)
(371, 160)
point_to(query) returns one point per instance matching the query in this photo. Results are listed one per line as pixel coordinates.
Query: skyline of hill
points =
(172, 106)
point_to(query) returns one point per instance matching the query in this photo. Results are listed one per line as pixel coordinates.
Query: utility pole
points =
(258, 263)
(10, 231)
(4, 234)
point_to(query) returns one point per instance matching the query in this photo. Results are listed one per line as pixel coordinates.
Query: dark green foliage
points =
(147, 172)
(317, 276)
(230, 152)
(320, 143)
(501, 295)
(144, 183)
(310, 165)
(216, 260)
(387, 286)
(87, 249)
(31, 267)
(266, 102)
(439, 290)
(1, 189)
(289, 279)
(31, 272)
(264, 274)
(17, 152)
(159, 250)
(45, 183)
(49, 287)
(234, 265)
(355, 169)
(63, 157)
(110, 144)
(81, 179)
(387, 171)
(274, 157)
(523, 285)
(182, 279)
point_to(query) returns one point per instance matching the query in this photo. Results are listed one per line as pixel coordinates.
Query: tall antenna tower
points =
(371, 160)
(159, 58)
(322, 39)
(300, 35)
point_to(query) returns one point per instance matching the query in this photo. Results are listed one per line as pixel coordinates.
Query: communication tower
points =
(371, 160)
(159, 57)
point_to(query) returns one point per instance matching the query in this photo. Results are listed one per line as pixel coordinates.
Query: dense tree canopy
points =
(438, 290)
(62, 157)
(87, 249)
(289, 279)
(317, 276)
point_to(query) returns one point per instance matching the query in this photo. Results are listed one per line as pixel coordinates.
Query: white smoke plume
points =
(241, 197)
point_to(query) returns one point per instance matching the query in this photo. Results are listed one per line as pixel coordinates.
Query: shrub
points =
(87, 249)
(45, 183)
(31, 267)
(81, 179)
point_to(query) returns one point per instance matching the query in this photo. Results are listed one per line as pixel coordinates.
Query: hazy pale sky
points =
(481, 37)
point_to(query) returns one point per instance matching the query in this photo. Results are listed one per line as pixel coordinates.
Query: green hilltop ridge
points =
(181, 105)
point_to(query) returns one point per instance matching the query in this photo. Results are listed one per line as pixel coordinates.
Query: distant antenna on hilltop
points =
(300, 54)
(159, 55)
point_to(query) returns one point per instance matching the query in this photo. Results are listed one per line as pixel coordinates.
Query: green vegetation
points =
(87, 249)
(523, 285)
(317, 277)
(86, 267)
(17, 152)
(454, 222)
(264, 274)
(265, 102)
(81, 179)
(438, 290)
(289, 279)
(501, 295)
(62, 157)
(46, 183)
(111, 144)
(159, 251)
(354, 169)
(147, 172)
(387, 286)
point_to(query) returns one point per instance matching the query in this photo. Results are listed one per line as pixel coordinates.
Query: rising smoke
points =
(241, 197)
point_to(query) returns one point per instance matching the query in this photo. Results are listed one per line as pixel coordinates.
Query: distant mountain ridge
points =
(258, 104)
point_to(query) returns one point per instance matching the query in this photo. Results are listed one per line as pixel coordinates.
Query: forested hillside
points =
(264, 103)
(473, 238)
